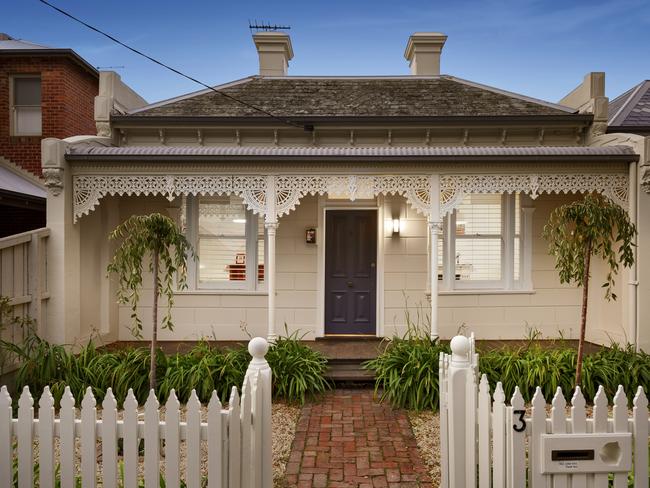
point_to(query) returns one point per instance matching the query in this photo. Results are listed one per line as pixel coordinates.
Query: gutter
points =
(18, 53)
(119, 158)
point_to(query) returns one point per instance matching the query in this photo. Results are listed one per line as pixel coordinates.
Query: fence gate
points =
(486, 442)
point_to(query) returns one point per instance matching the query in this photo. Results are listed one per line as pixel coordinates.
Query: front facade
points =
(339, 206)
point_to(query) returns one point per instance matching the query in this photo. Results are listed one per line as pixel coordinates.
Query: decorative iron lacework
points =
(287, 190)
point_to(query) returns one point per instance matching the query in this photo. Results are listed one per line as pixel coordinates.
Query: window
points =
(482, 244)
(229, 241)
(26, 106)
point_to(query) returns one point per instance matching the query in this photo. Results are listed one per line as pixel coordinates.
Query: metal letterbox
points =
(586, 453)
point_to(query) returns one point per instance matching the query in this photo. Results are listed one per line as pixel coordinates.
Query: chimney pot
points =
(423, 52)
(275, 51)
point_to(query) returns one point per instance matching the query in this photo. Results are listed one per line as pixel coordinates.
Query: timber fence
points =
(486, 442)
(78, 448)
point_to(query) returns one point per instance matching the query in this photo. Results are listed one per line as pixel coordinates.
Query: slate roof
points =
(632, 108)
(412, 96)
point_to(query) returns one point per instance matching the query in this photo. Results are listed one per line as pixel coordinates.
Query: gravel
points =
(284, 419)
(426, 428)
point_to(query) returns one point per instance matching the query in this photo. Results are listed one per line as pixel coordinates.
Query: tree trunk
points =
(154, 330)
(583, 317)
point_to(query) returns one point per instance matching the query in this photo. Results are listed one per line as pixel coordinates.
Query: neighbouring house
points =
(44, 92)
(359, 198)
(630, 111)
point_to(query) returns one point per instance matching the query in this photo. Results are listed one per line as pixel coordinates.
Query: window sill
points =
(222, 292)
(484, 292)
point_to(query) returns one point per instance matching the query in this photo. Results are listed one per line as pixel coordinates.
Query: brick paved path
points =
(348, 440)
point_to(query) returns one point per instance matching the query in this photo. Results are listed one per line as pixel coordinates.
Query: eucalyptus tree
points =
(157, 239)
(593, 226)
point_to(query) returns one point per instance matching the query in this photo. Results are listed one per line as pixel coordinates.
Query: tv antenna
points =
(109, 67)
(266, 26)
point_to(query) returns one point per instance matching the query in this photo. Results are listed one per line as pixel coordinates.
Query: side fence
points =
(234, 443)
(23, 277)
(487, 443)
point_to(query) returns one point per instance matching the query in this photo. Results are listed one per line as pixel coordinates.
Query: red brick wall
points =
(67, 96)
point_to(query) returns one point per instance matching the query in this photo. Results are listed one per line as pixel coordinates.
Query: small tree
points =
(593, 226)
(157, 237)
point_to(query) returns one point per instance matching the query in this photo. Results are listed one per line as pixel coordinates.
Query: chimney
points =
(275, 51)
(423, 52)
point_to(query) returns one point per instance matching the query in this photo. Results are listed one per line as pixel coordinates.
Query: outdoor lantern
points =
(395, 226)
(310, 236)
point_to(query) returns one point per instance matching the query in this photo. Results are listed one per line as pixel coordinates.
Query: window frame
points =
(251, 283)
(13, 112)
(507, 282)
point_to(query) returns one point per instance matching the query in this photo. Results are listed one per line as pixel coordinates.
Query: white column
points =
(271, 229)
(633, 281)
(434, 231)
(271, 224)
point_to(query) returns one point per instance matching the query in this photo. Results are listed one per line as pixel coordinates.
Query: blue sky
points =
(539, 48)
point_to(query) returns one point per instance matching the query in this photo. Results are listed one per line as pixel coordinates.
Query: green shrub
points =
(531, 366)
(204, 369)
(406, 371)
(298, 370)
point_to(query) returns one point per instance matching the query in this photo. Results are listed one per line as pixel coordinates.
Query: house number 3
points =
(521, 425)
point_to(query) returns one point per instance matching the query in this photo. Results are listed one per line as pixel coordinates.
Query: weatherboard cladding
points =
(389, 151)
(352, 97)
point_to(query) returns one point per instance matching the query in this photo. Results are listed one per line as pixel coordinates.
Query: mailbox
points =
(586, 453)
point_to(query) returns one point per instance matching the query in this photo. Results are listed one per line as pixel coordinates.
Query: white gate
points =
(237, 440)
(488, 443)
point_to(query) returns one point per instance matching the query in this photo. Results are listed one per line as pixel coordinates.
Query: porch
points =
(412, 219)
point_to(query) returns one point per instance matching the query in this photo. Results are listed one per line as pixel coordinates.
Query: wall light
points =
(396, 226)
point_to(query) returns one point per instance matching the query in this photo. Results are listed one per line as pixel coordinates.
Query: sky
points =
(540, 48)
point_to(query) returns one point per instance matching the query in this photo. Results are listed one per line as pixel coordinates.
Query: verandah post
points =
(271, 225)
(434, 231)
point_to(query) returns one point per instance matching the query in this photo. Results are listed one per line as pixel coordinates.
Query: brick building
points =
(44, 92)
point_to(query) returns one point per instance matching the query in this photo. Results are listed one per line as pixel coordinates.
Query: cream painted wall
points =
(552, 308)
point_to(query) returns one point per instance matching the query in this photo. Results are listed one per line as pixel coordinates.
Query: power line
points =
(174, 70)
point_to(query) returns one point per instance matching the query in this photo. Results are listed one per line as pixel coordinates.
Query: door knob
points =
(349, 284)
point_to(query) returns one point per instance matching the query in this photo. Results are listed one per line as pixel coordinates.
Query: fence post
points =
(462, 442)
(259, 376)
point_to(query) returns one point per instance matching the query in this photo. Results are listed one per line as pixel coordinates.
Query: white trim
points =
(325, 204)
(488, 292)
(507, 281)
(251, 283)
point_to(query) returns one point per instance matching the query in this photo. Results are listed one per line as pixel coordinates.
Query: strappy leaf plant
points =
(594, 226)
(158, 239)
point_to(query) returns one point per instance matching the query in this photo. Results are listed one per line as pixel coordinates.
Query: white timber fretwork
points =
(289, 189)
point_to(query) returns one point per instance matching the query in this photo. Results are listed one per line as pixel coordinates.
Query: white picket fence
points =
(488, 443)
(237, 439)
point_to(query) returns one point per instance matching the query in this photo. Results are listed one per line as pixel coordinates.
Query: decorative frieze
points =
(284, 192)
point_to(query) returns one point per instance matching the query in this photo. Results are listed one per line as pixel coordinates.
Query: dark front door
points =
(350, 271)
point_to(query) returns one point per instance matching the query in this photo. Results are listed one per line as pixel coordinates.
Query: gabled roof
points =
(632, 108)
(411, 96)
(18, 47)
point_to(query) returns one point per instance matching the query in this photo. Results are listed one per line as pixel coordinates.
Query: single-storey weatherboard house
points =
(364, 204)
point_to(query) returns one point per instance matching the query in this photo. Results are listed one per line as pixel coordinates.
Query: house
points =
(44, 92)
(336, 204)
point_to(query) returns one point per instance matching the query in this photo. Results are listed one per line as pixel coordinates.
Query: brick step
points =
(348, 370)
